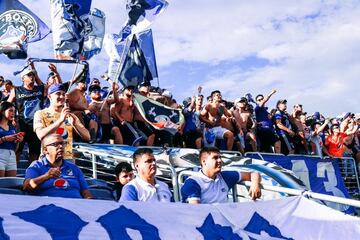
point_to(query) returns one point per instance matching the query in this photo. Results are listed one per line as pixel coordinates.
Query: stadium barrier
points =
(234, 196)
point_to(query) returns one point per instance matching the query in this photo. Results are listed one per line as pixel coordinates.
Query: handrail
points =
(129, 160)
(290, 191)
(310, 194)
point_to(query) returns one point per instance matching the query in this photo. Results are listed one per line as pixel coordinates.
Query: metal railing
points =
(109, 161)
(289, 191)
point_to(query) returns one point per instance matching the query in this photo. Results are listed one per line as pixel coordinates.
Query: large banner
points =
(28, 217)
(319, 175)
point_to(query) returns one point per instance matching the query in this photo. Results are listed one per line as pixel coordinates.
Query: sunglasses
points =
(259, 99)
(30, 74)
(56, 144)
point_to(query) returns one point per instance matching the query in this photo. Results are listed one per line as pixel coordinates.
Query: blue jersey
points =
(262, 117)
(69, 185)
(207, 190)
(284, 118)
(7, 145)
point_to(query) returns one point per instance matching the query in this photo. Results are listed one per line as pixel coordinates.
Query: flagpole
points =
(117, 72)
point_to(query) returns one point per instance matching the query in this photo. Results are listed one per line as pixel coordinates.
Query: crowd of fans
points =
(32, 111)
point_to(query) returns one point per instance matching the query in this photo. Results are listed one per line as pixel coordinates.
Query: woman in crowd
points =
(8, 140)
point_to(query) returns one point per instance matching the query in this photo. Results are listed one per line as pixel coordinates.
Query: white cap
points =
(26, 71)
(167, 93)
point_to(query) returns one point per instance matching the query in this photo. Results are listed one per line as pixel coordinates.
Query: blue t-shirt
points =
(207, 190)
(69, 185)
(262, 117)
(284, 118)
(192, 122)
(7, 145)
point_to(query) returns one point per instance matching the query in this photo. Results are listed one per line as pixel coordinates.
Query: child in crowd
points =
(124, 174)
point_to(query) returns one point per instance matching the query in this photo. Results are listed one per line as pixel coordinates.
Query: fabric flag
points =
(158, 115)
(141, 14)
(19, 26)
(30, 217)
(77, 32)
(134, 69)
(146, 43)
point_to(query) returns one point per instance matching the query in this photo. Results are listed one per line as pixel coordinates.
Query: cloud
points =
(308, 50)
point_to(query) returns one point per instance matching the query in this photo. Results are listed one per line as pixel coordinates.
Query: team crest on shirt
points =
(61, 183)
(69, 172)
(223, 190)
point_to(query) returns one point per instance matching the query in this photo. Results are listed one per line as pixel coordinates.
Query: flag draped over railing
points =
(28, 217)
(19, 26)
(78, 32)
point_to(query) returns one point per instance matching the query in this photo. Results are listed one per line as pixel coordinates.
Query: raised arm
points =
(266, 98)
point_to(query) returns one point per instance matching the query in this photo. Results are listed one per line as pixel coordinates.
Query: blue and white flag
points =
(146, 43)
(134, 68)
(319, 175)
(77, 32)
(29, 217)
(141, 14)
(19, 26)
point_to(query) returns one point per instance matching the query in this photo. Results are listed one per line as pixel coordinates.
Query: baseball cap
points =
(26, 71)
(186, 101)
(56, 87)
(347, 115)
(167, 93)
(281, 101)
(94, 87)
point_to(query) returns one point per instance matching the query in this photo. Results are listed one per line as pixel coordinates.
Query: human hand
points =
(292, 133)
(64, 113)
(255, 191)
(20, 136)
(52, 67)
(53, 173)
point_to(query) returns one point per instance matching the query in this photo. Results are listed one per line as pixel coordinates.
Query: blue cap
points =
(55, 88)
(347, 115)
(317, 115)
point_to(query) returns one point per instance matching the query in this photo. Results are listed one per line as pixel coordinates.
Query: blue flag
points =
(146, 43)
(134, 69)
(19, 26)
(78, 32)
(141, 13)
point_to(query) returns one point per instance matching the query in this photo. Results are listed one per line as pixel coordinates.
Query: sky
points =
(308, 50)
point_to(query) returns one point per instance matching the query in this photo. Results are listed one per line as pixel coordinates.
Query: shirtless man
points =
(211, 116)
(102, 111)
(123, 113)
(79, 106)
(243, 120)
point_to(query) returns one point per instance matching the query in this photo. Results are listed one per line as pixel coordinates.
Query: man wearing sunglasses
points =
(265, 127)
(52, 176)
(28, 98)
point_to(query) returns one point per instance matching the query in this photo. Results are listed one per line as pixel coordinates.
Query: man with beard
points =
(145, 187)
(52, 176)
